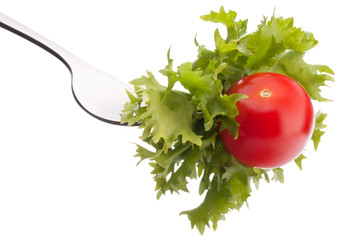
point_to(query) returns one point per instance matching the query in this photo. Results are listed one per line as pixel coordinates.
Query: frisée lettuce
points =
(181, 127)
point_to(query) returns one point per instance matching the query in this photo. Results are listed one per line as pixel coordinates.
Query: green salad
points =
(181, 128)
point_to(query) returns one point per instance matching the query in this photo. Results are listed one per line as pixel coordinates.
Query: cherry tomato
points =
(276, 120)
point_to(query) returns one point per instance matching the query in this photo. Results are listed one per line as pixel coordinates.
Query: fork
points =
(99, 94)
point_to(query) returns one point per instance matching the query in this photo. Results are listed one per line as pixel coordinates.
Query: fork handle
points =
(17, 28)
(98, 93)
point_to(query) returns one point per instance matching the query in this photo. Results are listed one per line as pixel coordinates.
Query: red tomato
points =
(276, 120)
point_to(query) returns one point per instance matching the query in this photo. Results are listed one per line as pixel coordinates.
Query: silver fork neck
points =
(30, 35)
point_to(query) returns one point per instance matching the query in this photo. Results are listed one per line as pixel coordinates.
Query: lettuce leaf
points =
(180, 127)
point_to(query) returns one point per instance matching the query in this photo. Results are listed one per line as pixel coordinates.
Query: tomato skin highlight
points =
(276, 120)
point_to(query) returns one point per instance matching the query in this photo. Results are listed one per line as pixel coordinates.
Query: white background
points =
(66, 175)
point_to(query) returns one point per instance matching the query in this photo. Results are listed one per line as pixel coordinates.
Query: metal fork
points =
(98, 93)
